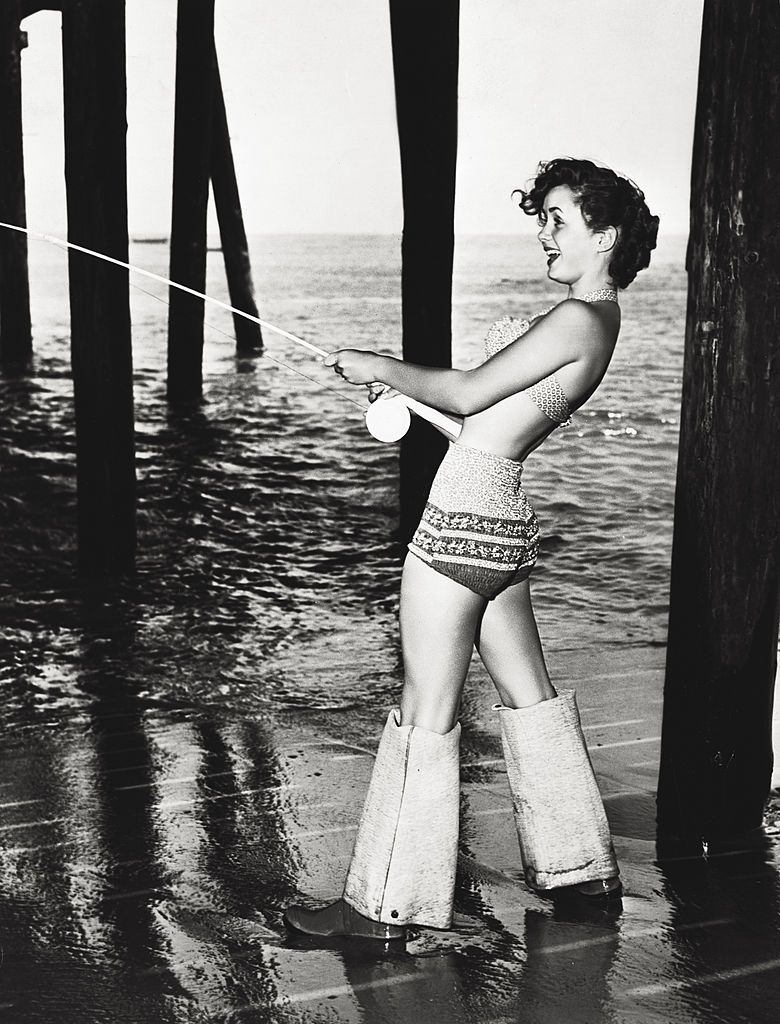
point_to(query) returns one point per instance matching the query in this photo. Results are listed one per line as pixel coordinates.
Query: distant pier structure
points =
(201, 155)
(15, 329)
(95, 106)
(425, 60)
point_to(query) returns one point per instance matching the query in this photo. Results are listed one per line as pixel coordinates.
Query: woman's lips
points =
(552, 255)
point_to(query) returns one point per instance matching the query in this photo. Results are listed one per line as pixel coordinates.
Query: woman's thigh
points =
(438, 619)
(510, 648)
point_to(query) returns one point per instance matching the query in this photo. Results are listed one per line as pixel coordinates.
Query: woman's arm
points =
(568, 333)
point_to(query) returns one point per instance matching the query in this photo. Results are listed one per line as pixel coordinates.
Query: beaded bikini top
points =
(547, 393)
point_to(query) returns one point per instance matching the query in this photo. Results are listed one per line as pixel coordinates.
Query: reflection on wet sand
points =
(548, 973)
(146, 851)
(725, 931)
(140, 847)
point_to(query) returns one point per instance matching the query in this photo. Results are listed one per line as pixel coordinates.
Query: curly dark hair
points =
(605, 199)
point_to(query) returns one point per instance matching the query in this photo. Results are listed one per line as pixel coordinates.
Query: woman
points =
(466, 581)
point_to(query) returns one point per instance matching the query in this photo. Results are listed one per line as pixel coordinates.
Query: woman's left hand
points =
(354, 365)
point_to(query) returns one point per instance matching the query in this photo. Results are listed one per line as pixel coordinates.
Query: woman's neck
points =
(586, 287)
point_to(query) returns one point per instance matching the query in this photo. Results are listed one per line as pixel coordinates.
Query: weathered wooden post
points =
(93, 37)
(716, 752)
(235, 248)
(425, 60)
(15, 329)
(191, 169)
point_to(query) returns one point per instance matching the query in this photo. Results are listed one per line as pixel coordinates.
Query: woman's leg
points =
(438, 621)
(403, 863)
(402, 868)
(509, 645)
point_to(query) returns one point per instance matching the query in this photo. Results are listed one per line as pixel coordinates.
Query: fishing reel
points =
(388, 418)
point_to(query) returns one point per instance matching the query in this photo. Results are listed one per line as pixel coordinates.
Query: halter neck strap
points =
(600, 295)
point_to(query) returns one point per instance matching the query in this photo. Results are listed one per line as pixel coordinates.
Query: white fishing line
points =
(385, 419)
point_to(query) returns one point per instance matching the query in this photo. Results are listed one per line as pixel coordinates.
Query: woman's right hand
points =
(355, 365)
(376, 391)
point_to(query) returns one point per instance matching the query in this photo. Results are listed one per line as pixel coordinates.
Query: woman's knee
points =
(509, 645)
(438, 622)
(430, 707)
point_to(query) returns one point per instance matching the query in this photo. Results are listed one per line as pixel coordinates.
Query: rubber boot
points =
(340, 919)
(561, 825)
(403, 864)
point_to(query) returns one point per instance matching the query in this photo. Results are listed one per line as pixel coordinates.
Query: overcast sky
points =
(309, 93)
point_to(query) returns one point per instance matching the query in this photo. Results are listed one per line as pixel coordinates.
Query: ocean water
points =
(268, 566)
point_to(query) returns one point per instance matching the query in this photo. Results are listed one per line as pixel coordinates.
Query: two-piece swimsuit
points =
(478, 526)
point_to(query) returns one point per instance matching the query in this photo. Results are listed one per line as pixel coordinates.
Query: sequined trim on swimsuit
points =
(547, 394)
(508, 329)
(600, 295)
(478, 526)
(550, 397)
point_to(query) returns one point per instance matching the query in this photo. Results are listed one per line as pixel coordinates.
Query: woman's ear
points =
(606, 239)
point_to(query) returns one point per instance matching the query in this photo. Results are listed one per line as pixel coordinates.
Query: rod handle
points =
(388, 419)
(434, 416)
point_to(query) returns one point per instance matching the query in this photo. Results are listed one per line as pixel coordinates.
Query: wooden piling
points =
(15, 328)
(716, 756)
(235, 248)
(425, 61)
(191, 171)
(93, 36)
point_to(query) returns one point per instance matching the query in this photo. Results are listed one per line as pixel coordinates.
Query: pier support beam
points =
(93, 36)
(235, 249)
(716, 757)
(15, 329)
(425, 60)
(191, 170)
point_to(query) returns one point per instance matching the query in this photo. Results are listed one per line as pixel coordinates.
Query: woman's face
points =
(571, 246)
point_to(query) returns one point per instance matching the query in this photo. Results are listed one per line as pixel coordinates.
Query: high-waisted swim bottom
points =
(478, 526)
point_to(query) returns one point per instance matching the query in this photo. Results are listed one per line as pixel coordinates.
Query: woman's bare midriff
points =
(512, 428)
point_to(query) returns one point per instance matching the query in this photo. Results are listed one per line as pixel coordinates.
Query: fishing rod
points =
(387, 419)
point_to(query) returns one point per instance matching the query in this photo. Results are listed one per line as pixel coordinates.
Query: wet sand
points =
(147, 850)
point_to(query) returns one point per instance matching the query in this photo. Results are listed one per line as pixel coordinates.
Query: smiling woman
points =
(466, 582)
(578, 194)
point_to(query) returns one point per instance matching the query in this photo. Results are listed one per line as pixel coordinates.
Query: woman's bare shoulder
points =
(582, 320)
(575, 310)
